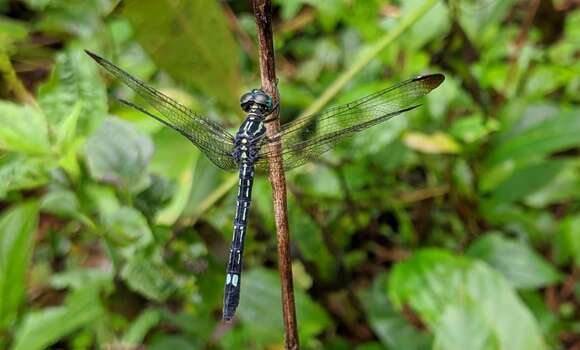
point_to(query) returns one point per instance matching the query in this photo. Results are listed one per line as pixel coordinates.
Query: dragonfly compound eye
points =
(258, 97)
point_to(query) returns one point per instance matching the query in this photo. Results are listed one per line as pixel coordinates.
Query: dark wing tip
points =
(431, 81)
(94, 56)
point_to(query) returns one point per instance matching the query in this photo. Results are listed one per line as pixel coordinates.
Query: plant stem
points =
(363, 59)
(13, 82)
(263, 14)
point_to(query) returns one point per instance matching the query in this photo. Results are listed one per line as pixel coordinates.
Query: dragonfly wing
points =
(211, 138)
(308, 137)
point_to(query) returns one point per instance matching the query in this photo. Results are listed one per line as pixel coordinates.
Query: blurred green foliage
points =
(456, 226)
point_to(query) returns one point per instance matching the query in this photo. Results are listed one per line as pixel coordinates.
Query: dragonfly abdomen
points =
(234, 267)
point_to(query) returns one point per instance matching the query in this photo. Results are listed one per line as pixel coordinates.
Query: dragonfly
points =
(301, 140)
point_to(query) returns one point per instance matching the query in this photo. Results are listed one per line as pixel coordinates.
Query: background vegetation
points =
(456, 226)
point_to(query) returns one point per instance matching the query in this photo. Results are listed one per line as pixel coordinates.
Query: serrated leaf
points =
(74, 81)
(261, 312)
(201, 51)
(151, 279)
(23, 129)
(522, 267)
(117, 153)
(443, 288)
(17, 226)
(42, 328)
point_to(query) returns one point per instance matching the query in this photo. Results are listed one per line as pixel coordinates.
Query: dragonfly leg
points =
(271, 119)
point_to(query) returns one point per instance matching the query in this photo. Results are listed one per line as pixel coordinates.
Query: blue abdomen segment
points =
(234, 267)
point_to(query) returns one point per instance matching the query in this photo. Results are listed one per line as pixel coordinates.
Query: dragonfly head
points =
(256, 100)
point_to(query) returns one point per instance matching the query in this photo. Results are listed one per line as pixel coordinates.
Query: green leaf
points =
(63, 203)
(127, 228)
(389, 325)
(140, 326)
(481, 19)
(23, 129)
(568, 242)
(11, 32)
(174, 342)
(443, 289)
(149, 278)
(20, 173)
(521, 266)
(202, 50)
(462, 327)
(260, 308)
(17, 226)
(66, 130)
(79, 18)
(552, 134)
(75, 81)
(119, 154)
(527, 180)
(42, 328)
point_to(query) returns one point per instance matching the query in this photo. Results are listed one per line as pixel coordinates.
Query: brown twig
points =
(262, 11)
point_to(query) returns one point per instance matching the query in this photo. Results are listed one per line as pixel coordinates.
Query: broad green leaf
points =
(527, 180)
(260, 308)
(563, 187)
(20, 173)
(17, 227)
(443, 289)
(60, 202)
(127, 228)
(462, 327)
(552, 134)
(389, 325)
(202, 50)
(23, 129)
(119, 154)
(521, 266)
(150, 278)
(44, 327)
(75, 81)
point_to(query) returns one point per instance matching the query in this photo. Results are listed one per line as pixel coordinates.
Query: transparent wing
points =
(212, 139)
(308, 137)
